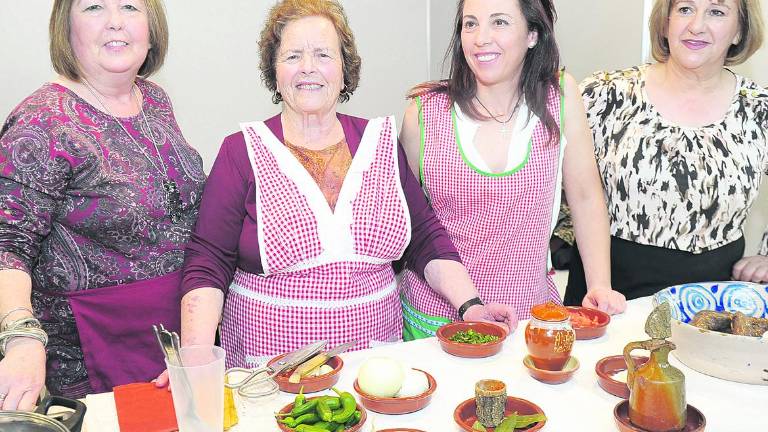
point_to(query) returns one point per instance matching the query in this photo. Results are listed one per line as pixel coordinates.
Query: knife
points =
(288, 361)
(319, 360)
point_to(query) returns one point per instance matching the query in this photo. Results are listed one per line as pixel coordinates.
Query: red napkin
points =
(142, 407)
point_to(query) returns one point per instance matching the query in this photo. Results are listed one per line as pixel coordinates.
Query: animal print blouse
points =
(671, 186)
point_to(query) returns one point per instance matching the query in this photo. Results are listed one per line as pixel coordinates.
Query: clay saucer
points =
(310, 384)
(549, 376)
(465, 414)
(459, 349)
(695, 419)
(401, 405)
(591, 331)
(607, 367)
(400, 430)
(289, 407)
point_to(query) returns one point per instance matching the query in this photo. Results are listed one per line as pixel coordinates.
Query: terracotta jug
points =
(657, 389)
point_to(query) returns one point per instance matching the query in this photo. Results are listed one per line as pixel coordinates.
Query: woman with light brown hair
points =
(681, 147)
(304, 213)
(100, 192)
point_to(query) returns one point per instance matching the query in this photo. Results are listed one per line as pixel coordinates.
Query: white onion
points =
(380, 376)
(415, 383)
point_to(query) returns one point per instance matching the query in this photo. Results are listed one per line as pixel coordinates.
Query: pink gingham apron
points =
(327, 273)
(500, 224)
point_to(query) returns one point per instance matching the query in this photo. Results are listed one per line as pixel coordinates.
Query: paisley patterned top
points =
(671, 186)
(81, 207)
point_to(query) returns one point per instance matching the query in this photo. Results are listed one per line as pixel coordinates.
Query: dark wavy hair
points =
(540, 67)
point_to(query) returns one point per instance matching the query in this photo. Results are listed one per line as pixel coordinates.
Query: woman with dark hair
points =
(681, 148)
(489, 146)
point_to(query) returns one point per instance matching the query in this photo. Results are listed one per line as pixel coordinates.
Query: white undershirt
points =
(518, 147)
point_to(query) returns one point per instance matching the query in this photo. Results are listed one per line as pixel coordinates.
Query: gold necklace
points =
(173, 205)
(505, 122)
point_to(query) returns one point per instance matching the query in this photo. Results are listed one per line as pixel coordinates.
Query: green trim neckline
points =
(478, 170)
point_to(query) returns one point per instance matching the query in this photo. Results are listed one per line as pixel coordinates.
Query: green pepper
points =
(527, 420)
(300, 398)
(477, 426)
(355, 419)
(308, 418)
(340, 428)
(508, 424)
(288, 421)
(325, 412)
(333, 402)
(348, 407)
(304, 408)
(309, 428)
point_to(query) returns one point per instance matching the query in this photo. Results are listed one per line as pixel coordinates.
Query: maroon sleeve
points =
(212, 251)
(429, 240)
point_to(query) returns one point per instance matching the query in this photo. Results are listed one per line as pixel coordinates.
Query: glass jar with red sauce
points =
(549, 336)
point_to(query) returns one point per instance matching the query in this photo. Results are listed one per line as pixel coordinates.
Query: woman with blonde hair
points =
(681, 147)
(100, 191)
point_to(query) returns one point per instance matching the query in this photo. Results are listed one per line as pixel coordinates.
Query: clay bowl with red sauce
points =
(310, 384)
(695, 420)
(597, 327)
(606, 369)
(460, 349)
(552, 376)
(398, 405)
(286, 409)
(465, 414)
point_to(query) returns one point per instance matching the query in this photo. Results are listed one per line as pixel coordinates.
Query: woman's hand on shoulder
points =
(22, 374)
(500, 314)
(607, 300)
(751, 269)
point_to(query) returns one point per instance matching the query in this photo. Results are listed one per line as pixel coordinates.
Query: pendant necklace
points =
(173, 205)
(503, 123)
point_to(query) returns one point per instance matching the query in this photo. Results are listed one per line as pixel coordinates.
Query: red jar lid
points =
(549, 311)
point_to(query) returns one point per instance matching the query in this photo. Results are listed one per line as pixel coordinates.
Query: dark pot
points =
(38, 421)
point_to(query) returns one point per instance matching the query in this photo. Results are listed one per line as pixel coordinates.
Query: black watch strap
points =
(468, 304)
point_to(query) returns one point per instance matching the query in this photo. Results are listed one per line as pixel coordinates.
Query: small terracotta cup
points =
(491, 400)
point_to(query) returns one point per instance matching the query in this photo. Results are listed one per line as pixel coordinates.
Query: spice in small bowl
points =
(485, 339)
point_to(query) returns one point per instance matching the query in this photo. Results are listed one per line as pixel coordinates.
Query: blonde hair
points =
(290, 10)
(750, 31)
(63, 57)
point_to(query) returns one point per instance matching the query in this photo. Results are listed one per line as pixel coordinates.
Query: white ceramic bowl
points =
(730, 357)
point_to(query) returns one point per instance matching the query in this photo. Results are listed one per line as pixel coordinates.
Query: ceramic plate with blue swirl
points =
(688, 299)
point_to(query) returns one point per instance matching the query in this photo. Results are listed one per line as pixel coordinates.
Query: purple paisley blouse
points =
(82, 207)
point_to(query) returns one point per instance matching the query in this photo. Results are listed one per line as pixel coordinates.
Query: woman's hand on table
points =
(607, 300)
(162, 380)
(751, 269)
(22, 374)
(497, 313)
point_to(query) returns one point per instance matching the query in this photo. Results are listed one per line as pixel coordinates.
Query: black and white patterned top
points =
(672, 186)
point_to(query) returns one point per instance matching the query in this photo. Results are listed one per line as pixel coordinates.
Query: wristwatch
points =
(468, 304)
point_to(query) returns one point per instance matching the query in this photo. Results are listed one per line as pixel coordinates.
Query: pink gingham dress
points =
(327, 273)
(500, 224)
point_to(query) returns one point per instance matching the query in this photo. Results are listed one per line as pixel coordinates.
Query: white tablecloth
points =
(578, 405)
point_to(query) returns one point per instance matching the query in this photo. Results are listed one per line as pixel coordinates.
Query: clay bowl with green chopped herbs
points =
(471, 339)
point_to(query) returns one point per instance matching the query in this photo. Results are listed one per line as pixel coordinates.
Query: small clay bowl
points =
(400, 430)
(393, 405)
(607, 367)
(465, 414)
(459, 349)
(289, 407)
(310, 384)
(552, 377)
(592, 331)
(695, 421)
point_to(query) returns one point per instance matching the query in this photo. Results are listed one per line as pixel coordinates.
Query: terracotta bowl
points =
(400, 430)
(607, 367)
(552, 377)
(592, 331)
(310, 384)
(392, 405)
(458, 349)
(695, 419)
(465, 414)
(289, 407)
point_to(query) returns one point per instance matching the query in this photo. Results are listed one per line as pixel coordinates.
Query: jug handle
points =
(630, 361)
